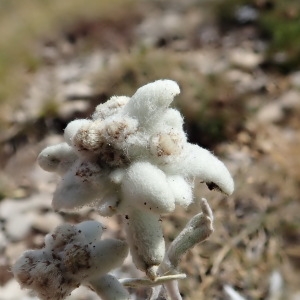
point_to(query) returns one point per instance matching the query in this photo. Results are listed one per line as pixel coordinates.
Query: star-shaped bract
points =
(132, 157)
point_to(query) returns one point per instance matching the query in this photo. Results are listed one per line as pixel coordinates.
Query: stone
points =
(245, 59)
(295, 79)
(47, 222)
(270, 113)
(18, 226)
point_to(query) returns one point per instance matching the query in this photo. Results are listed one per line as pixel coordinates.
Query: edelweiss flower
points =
(73, 255)
(133, 158)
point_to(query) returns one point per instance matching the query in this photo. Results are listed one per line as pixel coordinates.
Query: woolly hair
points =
(199, 163)
(145, 187)
(111, 107)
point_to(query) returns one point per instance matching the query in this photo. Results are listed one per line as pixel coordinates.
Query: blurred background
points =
(238, 65)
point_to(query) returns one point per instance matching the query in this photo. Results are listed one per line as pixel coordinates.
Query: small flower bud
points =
(166, 147)
(89, 137)
(110, 107)
(72, 128)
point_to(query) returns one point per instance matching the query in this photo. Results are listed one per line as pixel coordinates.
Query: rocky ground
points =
(234, 103)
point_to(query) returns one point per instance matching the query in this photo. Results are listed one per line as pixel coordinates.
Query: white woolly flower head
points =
(73, 255)
(133, 158)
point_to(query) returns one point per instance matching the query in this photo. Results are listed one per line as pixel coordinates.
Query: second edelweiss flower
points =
(72, 256)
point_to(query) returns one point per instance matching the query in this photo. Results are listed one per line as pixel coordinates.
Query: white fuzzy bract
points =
(57, 158)
(150, 102)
